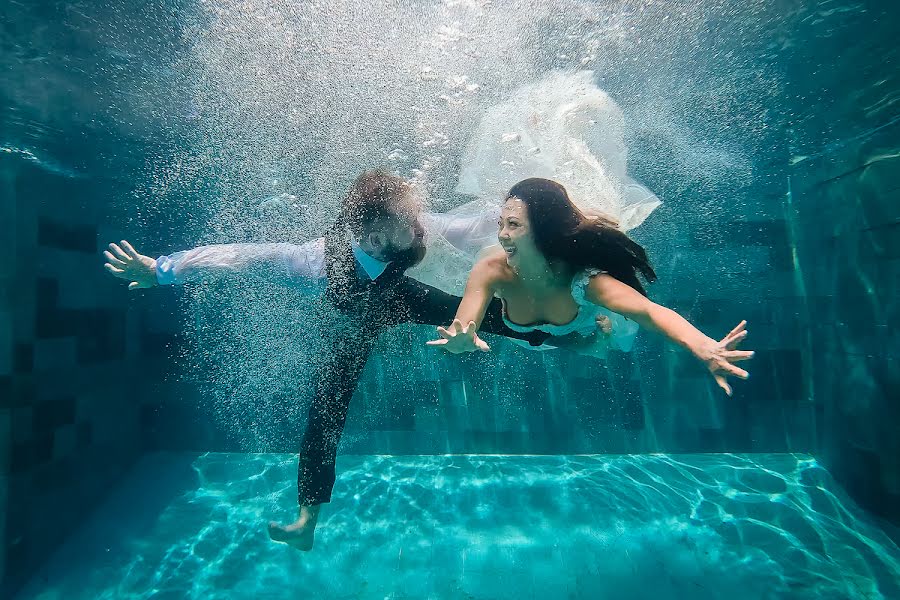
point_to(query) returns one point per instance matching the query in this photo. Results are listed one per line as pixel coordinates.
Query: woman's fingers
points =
(741, 327)
(734, 370)
(113, 269)
(734, 342)
(723, 383)
(738, 355)
(435, 342)
(442, 331)
(112, 259)
(734, 333)
(119, 253)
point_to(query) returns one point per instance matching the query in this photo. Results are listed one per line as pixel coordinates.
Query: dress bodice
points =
(585, 321)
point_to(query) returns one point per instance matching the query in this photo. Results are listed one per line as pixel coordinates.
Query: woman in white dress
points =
(557, 267)
(562, 127)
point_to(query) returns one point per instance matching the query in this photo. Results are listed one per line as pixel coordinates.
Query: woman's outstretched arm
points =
(461, 335)
(718, 356)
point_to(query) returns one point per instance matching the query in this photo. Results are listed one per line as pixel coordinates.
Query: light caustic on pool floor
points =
(647, 526)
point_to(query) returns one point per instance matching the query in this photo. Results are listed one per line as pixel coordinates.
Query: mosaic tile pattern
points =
(68, 371)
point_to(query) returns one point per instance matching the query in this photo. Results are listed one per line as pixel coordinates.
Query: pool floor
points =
(472, 526)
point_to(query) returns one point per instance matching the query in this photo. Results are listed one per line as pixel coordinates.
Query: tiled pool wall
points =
(847, 209)
(75, 358)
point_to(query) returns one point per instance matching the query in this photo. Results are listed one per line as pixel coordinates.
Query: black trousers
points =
(345, 358)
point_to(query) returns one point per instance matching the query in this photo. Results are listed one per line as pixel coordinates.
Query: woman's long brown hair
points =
(565, 234)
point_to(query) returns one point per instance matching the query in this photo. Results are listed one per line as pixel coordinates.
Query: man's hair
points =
(375, 196)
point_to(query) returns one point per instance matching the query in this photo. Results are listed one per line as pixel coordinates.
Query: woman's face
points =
(515, 232)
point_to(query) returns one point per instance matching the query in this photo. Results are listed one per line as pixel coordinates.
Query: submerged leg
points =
(336, 380)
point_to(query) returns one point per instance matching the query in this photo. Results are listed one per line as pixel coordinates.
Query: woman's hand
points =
(719, 357)
(125, 263)
(458, 339)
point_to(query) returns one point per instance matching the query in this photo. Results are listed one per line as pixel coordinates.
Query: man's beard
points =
(408, 257)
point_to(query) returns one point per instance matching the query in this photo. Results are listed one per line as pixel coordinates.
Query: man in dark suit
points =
(359, 269)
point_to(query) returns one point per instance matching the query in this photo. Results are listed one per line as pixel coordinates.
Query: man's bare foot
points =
(298, 534)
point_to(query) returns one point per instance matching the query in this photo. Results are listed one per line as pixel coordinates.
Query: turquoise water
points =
(473, 526)
(769, 131)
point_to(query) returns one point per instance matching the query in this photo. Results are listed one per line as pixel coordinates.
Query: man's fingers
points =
(130, 250)
(112, 259)
(119, 253)
(605, 324)
(112, 269)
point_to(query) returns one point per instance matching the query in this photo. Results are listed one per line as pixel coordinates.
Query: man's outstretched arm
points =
(287, 264)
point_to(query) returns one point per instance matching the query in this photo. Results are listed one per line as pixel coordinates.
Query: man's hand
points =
(124, 262)
(458, 339)
(604, 324)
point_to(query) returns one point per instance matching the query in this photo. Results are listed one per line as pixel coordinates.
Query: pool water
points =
(474, 526)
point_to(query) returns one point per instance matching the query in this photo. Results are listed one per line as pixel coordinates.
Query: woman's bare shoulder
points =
(492, 265)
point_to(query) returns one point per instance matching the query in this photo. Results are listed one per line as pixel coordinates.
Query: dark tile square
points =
(67, 236)
(788, 372)
(708, 236)
(101, 336)
(149, 416)
(710, 440)
(46, 294)
(54, 413)
(781, 257)
(632, 406)
(23, 358)
(54, 324)
(53, 476)
(22, 392)
(26, 455)
(21, 423)
(400, 417)
(6, 391)
(84, 434)
(161, 344)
